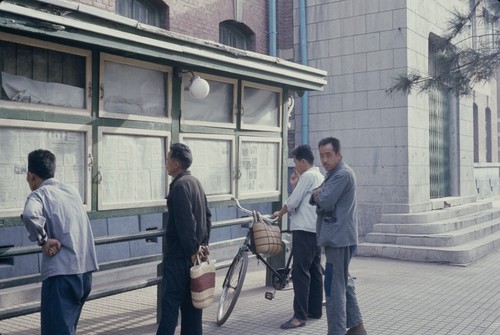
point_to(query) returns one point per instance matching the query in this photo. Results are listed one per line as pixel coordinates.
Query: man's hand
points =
(315, 193)
(51, 247)
(202, 252)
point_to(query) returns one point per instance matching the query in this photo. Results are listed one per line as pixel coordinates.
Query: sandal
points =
(290, 325)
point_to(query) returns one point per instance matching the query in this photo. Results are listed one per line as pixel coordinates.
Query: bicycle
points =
(235, 276)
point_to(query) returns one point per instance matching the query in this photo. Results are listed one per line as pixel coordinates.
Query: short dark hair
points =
(330, 140)
(42, 163)
(181, 153)
(303, 151)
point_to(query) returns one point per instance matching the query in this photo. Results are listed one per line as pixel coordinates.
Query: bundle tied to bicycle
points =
(266, 238)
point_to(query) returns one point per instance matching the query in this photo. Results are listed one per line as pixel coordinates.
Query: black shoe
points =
(290, 325)
(356, 331)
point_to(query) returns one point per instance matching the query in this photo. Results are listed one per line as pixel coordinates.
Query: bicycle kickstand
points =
(270, 295)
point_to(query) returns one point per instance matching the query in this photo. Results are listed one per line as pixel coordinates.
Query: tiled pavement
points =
(396, 297)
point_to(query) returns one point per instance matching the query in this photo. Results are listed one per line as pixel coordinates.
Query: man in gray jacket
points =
(337, 232)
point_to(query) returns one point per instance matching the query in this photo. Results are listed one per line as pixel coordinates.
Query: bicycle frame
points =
(246, 247)
(235, 275)
(247, 242)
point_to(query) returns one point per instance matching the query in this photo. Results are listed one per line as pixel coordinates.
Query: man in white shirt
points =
(306, 271)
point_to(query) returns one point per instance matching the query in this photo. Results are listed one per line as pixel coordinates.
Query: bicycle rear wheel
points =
(232, 286)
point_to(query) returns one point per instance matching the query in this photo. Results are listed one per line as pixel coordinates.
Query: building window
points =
(131, 167)
(150, 12)
(71, 143)
(260, 107)
(475, 111)
(218, 108)
(439, 129)
(489, 139)
(43, 76)
(236, 35)
(133, 89)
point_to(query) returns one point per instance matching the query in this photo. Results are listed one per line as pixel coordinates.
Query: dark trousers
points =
(175, 295)
(306, 275)
(62, 302)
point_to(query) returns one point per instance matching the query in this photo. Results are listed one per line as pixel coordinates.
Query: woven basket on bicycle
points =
(265, 237)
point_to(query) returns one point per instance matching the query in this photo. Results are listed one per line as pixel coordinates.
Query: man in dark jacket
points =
(187, 236)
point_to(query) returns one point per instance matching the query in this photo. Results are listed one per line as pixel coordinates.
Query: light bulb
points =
(199, 88)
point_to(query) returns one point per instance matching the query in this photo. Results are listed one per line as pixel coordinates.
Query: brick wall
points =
(102, 4)
(201, 18)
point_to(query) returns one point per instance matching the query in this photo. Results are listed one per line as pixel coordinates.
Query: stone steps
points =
(437, 214)
(454, 235)
(447, 239)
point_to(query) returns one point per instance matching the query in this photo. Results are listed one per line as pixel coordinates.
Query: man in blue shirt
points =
(56, 219)
(337, 229)
(306, 270)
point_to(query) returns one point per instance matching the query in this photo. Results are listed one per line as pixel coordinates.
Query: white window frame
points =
(35, 125)
(60, 48)
(280, 107)
(166, 118)
(102, 205)
(243, 194)
(223, 138)
(234, 112)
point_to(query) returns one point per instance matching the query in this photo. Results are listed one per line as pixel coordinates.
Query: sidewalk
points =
(396, 297)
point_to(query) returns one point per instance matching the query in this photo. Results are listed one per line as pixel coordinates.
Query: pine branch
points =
(458, 69)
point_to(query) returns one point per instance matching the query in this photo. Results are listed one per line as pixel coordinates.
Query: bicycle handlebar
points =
(267, 218)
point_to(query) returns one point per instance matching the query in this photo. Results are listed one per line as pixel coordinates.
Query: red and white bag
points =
(202, 283)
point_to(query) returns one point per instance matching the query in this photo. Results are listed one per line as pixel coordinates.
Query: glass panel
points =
(124, 8)
(133, 169)
(215, 177)
(439, 145)
(489, 140)
(259, 167)
(140, 10)
(260, 107)
(41, 76)
(15, 145)
(216, 107)
(230, 35)
(134, 90)
(475, 115)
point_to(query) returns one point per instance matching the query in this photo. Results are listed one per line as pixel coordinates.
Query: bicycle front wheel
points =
(232, 286)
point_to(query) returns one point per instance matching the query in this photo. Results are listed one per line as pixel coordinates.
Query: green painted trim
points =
(95, 109)
(22, 114)
(121, 123)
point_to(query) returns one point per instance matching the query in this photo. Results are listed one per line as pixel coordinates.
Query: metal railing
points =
(100, 293)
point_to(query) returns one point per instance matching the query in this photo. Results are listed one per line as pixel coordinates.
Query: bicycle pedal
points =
(269, 295)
